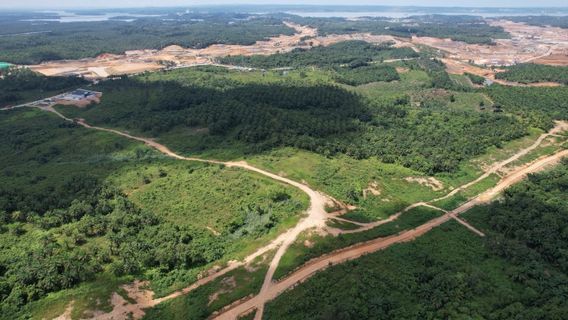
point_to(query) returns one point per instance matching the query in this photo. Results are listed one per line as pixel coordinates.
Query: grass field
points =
(346, 179)
(203, 301)
(206, 196)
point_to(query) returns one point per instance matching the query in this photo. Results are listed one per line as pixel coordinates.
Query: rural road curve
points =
(316, 217)
(361, 249)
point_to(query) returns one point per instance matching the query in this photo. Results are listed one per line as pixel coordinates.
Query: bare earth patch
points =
(430, 182)
(67, 314)
(373, 189)
(308, 244)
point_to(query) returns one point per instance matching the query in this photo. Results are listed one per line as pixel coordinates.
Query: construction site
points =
(544, 45)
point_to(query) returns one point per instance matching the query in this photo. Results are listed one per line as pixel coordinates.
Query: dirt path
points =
(361, 249)
(559, 127)
(316, 218)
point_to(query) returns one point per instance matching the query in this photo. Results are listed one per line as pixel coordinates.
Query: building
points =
(79, 94)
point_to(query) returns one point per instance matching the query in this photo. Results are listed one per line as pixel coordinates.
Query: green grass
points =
(466, 194)
(342, 225)
(461, 80)
(345, 179)
(210, 198)
(469, 101)
(203, 195)
(390, 91)
(203, 301)
(357, 216)
(299, 253)
(553, 145)
(85, 298)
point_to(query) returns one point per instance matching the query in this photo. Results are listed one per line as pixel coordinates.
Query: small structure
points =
(79, 94)
(78, 97)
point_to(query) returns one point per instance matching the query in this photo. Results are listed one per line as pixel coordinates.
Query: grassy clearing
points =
(203, 195)
(508, 149)
(469, 101)
(85, 298)
(346, 179)
(342, 225)
(300, 253)
(464, 195)
(242, 209)
(203, 301)
(549, 146)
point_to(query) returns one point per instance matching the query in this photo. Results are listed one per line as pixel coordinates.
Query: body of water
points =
(65, 16)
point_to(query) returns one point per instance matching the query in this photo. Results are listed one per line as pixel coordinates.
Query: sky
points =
(14, 4)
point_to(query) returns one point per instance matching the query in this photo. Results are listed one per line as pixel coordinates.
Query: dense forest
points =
(26, 42)
(537, 106)
(531, 73)
(518, 271)
(18, 85)
(346, 52)
(321, 118)
(63, 223)
(355, 75)
(469, 29)
(542, 21)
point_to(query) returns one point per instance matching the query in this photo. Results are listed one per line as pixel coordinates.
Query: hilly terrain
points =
(275, 166)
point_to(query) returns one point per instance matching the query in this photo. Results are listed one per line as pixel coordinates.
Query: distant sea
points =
(65, 16)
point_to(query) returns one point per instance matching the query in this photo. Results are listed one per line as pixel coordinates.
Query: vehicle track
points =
(559, 127)
(356, 251)
(316, 218)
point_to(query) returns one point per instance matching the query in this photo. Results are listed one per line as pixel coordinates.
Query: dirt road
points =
(361, 249)
(559, 127)
(316, 217)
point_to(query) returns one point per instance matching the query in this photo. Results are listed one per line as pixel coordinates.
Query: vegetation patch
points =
(203, 301)
(534, 73)
(299, 253)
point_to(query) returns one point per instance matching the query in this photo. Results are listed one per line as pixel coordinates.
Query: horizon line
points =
(74, 7)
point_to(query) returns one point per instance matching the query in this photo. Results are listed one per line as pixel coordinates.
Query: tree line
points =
(532, 73)
(75, 40)
(321, 118)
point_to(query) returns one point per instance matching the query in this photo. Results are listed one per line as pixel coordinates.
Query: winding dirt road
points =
(316, 218)
(361, 249)
(560, 126)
